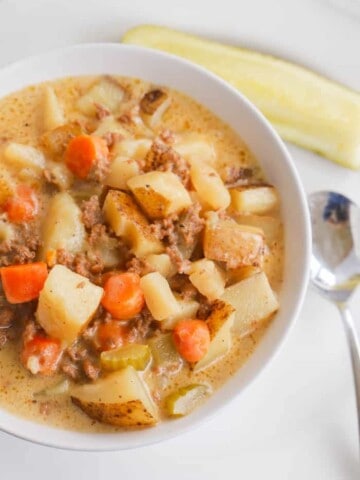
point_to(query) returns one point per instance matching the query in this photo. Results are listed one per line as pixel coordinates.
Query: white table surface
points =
(298, 420)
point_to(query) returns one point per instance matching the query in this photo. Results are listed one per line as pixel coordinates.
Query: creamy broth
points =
(21, 120)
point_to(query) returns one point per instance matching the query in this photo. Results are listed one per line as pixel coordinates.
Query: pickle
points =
(136, 355)
(164, 352)
(306, 108)
(185, 400)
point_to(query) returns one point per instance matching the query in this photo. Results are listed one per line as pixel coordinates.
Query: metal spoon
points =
(335, 262)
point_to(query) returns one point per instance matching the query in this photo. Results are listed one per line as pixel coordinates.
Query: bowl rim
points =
(73, 444)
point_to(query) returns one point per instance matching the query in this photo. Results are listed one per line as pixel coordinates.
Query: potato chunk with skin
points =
(254, 199)
(121, 170)
(220, 323)
(67, 303)
(55, 141)
(121, 398)
(62, 226)
(107, 93)
(160, 193)
(24, 156)
(209, 186)
(208, 278)
(53, 111)
(254, 301)
(153, 106)
(159, 298)
(236, 245)
(128, 222)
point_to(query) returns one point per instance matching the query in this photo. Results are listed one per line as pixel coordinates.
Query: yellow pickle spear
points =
(185, 400)
(305, 108)
(135, 355)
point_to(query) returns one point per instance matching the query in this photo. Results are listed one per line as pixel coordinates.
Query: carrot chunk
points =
(41, 355)
(83, 152)
(123, 296)
(23, 283)
(192, 339)
(23, 206)
(111, 335)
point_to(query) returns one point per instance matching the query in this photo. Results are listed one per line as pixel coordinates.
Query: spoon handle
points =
(354, 345)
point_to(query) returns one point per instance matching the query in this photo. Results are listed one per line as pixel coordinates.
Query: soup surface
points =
(141, 253)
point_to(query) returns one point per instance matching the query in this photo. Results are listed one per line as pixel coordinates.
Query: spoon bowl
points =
(335, 263)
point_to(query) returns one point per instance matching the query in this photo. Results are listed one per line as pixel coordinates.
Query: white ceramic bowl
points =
(246, 120)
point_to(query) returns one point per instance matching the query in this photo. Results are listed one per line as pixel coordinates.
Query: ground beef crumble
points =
(89, 264)
(100, 169)
(165, 229)
(101, 111)
(182, 265)
(143, 325)
(22, 248)
(191, 224)
(91, 212)
(164, 158)
(91, 370)
(181, 284)
(7, 316)
(236, 176)
(205, 308)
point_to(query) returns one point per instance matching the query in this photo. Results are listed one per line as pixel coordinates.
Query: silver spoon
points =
(335, 262)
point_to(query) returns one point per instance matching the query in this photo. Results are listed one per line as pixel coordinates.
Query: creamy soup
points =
(141, 253)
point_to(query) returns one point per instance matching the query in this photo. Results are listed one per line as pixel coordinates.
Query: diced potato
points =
(120, 399)
(107, 93)
(161, 263)
(110, 125)
(185, 400)
(220, 323)
(60, 175)
(237, 274)
(164, 352)
(195, 148)
(59, 388)
(236, 245)
(135, 148)
(153, 105)
(53, 111)
(208, 278)
(7, 232)
(127, 221)
(253, 199)
(24, 156)
(121, 170)
(134, 354)
(159, 298)
(271, 226)
(62, 226)
(209, 186)
(109, 251)
(160, 193)
(55, 141)
(188, 309)
(253, 300)
(67, 303)
(7, 184)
